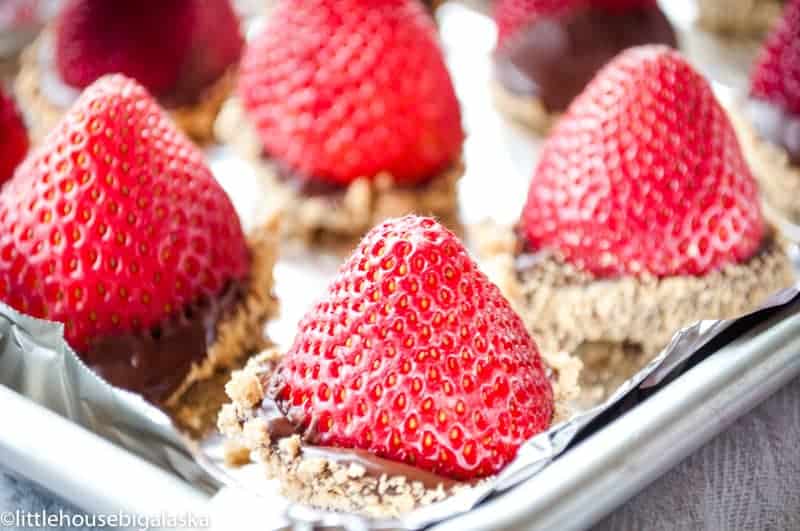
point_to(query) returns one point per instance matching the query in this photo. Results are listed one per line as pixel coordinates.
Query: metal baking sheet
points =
(574, 490)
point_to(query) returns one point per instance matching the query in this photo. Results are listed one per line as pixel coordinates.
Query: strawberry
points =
(173, 48)
(644, 174)
(342, 89)
(776, 76)
(115, 223)
(13, 137)
(513, 15)
(414, 355)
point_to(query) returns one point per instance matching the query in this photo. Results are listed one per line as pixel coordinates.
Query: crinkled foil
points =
(36, 362)
(541, 450)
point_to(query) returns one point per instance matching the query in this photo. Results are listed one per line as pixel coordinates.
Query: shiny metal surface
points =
(580, 487)
(577, 489)
(83, 468)
(590, 480)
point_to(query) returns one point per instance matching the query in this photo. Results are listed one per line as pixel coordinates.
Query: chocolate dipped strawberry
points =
(642, 217)
(13, 137)
(182, 51)
(774, 111)
(548, 50)
(351, 113)
(412, 365)
(115, 227)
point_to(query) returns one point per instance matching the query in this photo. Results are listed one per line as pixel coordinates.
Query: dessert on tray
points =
(412, 377)
(115, 226)
(642, 217)
(771, 133)
(347, 109)
(432, 4)
(742, 17)
(13, 137)
(185, 52)
(548, 50)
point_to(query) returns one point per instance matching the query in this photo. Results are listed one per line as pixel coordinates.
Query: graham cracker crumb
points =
(566, 383)
(355, 471)
(525, 110)
(228, 419)
(290, 446)
(236, 454)
(245, 389)
(255, 432)
(778, 178)
(198, 407)
(196, 120)
(341, 486)
(346, 215)
(617, 325)
(308, 469)
(197, 402)
(739, 17)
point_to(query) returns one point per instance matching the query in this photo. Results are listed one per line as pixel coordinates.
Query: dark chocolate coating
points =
(281, 425)
(555, 57)
(306, 185)
(155, 363)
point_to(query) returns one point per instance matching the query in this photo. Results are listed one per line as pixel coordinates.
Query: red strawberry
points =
(115, 222)
(414, 355)
(342, 89)
(513, 15)
(173, 48)
(776, 77)
(13, 137)
(644, 174)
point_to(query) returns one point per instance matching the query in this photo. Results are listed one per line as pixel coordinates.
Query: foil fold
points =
(541, 450)
(36, 362)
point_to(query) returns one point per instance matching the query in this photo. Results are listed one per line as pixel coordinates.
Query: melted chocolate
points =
(281, 425)
(778, 126)
(302, 183)
(155, 363)
(278, 425)
(63, 95)
(376, 466)
(554, 58)
(307, 185)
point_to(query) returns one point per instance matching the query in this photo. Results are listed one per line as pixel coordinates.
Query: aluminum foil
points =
(36, 362)
(687, 347)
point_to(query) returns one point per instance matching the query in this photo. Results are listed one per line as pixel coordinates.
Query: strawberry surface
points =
(115, 222)
(776, 76)
(414, 355)
(513, 15)
(644, 174)
(13, 137)
(173, 48)
(342, 89)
